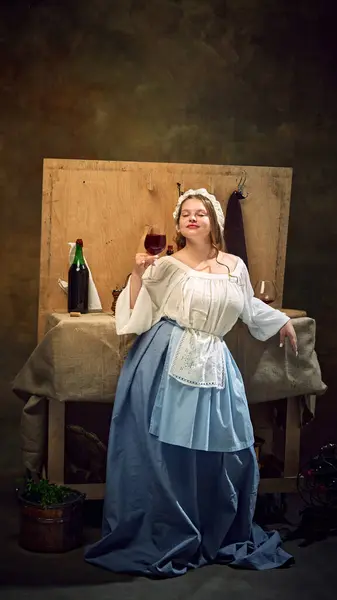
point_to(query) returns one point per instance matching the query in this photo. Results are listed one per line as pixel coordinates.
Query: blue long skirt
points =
(168, 509)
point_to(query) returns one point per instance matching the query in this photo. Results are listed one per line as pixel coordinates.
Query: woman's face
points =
(194, 221)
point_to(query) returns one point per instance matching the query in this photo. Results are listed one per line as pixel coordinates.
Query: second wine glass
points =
(265, 290)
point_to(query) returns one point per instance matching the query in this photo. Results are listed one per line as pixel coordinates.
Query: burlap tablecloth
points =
(79, 359)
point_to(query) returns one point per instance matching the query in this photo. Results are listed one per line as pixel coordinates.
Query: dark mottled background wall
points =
(218, 81)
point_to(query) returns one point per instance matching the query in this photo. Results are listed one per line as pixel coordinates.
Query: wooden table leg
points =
(292, 438)
(56, 441)
(287, 483)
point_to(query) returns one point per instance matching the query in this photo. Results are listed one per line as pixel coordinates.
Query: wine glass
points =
(155, 241)
(265, 290)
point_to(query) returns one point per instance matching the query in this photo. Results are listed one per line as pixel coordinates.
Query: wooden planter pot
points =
(57, 528)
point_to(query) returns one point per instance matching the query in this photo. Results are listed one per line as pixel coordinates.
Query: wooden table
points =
(89, 347)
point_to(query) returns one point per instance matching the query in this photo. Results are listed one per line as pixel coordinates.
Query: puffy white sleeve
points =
(148, 307)
(263, 321)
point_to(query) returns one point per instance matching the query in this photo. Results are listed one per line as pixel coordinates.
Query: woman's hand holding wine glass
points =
(154, 243)
(142, 262)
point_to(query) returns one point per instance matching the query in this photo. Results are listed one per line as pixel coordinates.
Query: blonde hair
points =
(216, 235)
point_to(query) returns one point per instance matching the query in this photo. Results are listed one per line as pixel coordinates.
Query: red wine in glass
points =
(155, 243)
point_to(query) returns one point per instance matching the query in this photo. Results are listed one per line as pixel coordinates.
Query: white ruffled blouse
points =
(206, 306)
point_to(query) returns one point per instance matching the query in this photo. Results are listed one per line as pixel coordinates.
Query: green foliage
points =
(44, 493)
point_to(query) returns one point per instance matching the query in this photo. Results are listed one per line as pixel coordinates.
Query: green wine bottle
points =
(78, 282)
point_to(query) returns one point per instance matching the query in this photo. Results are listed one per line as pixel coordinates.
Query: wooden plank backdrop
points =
(108, 204)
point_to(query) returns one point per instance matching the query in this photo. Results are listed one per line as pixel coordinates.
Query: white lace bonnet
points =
(201, 192)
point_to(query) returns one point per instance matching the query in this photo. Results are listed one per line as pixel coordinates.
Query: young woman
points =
(182, 475)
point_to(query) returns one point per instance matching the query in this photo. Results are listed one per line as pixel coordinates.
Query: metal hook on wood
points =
(242, 184)
(180, 190)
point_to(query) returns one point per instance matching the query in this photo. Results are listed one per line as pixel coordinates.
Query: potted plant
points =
(51, 517)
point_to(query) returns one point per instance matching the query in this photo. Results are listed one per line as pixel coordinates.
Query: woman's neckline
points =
(187, 268)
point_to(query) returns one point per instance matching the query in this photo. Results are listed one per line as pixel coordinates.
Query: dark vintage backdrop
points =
(218, 81)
